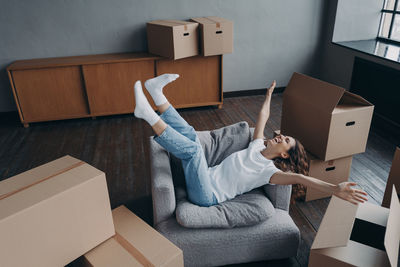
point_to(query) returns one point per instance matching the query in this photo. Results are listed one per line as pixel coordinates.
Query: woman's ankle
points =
(162, 108)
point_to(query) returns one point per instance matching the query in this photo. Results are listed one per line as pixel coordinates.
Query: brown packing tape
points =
(132, 250)
(41, 180)
(218, 24)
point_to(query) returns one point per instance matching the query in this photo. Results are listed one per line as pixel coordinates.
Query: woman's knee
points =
(191, 133)
(197, 149)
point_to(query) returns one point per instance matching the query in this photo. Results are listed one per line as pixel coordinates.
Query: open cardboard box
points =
(331, 171)
(216, 35)
(357, 235)
(393, 179)
(53, 214)
(329, 121)
(173, 39)
(134, 244)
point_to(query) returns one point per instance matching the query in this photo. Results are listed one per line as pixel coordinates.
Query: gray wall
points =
(271, 38)
(357, 20)
(337, 62)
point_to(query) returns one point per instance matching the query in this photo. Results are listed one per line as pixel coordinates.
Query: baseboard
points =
(251, 92)
(9, 117)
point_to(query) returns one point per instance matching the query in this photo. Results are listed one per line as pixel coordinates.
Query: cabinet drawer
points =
(50, 93)
(110, 86)
(199, 84)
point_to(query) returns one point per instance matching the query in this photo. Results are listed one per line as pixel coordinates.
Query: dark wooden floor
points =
(118, 145)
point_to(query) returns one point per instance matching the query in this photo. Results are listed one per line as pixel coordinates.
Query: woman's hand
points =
(263, 115)
(270, 90)
(345, 191)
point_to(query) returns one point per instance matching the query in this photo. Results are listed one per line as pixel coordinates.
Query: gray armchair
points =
(276, 238)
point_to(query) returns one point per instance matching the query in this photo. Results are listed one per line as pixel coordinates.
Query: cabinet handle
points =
(186, 34)
(350, 123)
(330, 169)
(218, 32)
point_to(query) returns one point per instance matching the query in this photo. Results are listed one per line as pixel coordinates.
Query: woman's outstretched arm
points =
(263, 115)
(343, 190)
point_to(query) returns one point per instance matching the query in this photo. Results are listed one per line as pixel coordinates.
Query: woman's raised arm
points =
(263, 115)
(343, 190)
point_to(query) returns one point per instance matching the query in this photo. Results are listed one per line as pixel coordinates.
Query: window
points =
(389, 29)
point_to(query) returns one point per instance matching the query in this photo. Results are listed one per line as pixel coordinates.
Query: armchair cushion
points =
(244, 210)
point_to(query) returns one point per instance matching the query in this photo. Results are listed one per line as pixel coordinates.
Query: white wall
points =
(271, 38)
(357, 20)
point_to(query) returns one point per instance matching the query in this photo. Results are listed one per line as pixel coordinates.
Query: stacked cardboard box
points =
(135, 244)
(216, 35)
(176, 39)
(173, 39)
(332, 124)
(57, 212)
(53, 214)
(331, 171)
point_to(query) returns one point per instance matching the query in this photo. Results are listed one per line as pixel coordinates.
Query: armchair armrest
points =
(279, 195)
(162, 186)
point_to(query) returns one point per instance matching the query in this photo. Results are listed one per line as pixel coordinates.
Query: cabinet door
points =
(110, 86)
(199, 84)
(50, 93)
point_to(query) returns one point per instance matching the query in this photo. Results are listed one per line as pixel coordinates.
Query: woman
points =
(240, 172)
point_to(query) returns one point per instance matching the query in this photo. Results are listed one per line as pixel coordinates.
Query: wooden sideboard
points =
(98, 85)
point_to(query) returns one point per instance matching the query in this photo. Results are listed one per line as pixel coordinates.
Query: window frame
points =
(394, 12)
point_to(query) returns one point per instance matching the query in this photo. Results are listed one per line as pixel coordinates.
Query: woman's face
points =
(281, 144)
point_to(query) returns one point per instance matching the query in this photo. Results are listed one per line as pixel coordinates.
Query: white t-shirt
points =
(241, 172)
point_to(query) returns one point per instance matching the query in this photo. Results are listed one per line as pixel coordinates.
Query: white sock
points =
(143, 110)
(155, 87)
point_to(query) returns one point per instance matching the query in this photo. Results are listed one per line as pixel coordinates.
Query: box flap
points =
(111, 253)
(171, 23)
(353, 99)
(317, 93)
(354, 254)
(393, 179)
(336, 225)
(211, 20)
(141, 238)
(372, 213)
(392, 236)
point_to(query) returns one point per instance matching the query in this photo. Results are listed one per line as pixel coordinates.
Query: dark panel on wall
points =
(378, 84)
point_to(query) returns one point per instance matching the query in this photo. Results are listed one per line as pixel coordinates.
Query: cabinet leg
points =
(219, 106)
(26, 125)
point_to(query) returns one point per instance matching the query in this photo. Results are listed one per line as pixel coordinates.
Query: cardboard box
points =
(328, 120)
(357, 235)
(393, 179)
(53, 214)
(135, 244)
(216, 35)
(331, 171)
(173, 39)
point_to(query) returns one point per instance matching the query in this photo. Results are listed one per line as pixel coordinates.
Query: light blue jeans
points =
(180, 139)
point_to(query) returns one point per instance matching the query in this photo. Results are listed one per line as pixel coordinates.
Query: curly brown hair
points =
(297, 162)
